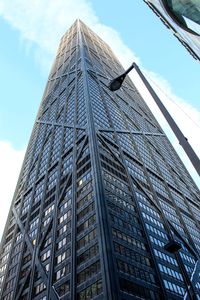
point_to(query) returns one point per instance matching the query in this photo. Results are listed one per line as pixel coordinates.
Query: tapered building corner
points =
(101, 193)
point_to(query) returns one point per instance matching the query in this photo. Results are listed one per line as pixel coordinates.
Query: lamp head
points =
(173, 246)
(116, 83)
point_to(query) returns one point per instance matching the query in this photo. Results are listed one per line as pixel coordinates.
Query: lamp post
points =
(173, 246)
(116, 83)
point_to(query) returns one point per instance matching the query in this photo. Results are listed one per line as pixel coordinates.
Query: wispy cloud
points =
(42, 23)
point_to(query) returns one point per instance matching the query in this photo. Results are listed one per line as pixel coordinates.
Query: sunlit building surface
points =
(182, 17)
(100, 194)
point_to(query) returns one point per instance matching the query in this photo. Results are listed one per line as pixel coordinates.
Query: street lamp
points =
(173, 247)
(116, 83)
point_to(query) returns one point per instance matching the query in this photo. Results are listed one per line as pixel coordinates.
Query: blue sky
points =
(23, 77)
(31, 30)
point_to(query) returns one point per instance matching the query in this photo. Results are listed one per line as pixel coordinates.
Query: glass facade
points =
(101, 192)
(183, 18)
(185, 11)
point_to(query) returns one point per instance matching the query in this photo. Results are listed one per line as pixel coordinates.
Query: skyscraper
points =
(101, 193)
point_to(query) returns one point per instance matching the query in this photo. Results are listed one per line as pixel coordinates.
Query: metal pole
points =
(190, 153)
(181, 138)
(114, 85)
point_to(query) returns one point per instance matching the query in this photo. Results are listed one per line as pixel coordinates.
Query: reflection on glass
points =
(185, 12)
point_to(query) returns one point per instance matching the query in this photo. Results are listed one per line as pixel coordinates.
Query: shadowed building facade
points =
(100, 193)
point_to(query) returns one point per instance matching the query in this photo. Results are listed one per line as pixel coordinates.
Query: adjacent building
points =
(182, 17)
(101, 193)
